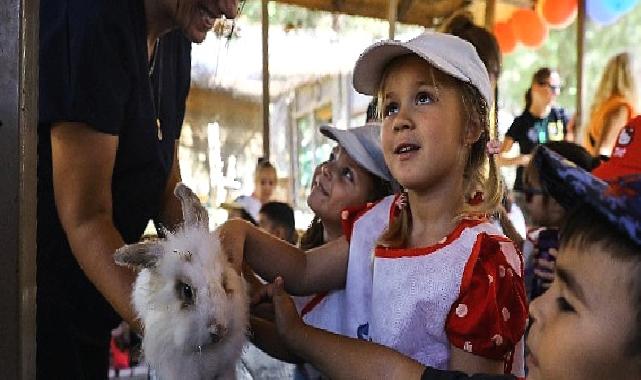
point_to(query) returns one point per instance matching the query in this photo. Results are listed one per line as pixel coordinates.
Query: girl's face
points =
(546, 91)
(422, 137)
(266, 181)
(196, 17)
(581, 325)
(339, 182)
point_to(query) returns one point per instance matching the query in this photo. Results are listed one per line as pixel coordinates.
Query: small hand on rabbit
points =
(232, 241)
(288, 323)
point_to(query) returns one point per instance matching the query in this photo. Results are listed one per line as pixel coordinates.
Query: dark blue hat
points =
(617, 199)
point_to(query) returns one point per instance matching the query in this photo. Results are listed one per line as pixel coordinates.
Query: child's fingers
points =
(544, 275)
(544, 264)
(261, 295)
(279, 286)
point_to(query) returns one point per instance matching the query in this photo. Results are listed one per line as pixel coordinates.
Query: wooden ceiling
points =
(419, 12)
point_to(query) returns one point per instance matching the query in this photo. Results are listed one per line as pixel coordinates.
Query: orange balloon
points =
(505, 36)
(559, 13)
(529, 28)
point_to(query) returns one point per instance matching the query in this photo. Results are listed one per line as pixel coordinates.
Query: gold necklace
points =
(152, 67)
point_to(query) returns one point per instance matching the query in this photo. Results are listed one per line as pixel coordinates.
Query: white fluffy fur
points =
(173, 332)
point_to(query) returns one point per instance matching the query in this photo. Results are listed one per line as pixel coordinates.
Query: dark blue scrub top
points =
(94, 69)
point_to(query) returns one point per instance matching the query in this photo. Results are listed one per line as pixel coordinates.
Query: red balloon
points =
(559, 13)
(505, 36)
(528, 27)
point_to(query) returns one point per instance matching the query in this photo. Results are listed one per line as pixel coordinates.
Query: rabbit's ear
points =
(139, 255)
(194, 214)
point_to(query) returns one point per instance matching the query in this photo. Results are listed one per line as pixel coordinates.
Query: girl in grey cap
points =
(441, 285)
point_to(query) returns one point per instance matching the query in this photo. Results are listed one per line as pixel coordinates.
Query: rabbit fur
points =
(192, 303)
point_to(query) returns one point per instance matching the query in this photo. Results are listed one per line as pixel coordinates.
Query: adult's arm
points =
(83, 161)
(503, 160)
(317, 270)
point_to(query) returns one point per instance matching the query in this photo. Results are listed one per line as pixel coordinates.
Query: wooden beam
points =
(403, 7)
(18, 146)
(580, 48)
(490, 11)
(422, 12)
(265, 25)
(391, 18)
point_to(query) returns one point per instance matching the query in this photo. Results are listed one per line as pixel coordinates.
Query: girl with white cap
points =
(441, 284)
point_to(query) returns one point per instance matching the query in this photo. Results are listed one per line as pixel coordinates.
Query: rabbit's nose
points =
(217, 332)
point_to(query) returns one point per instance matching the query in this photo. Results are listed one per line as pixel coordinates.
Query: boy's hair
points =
(572, 152)
(476, 173)
(584, 228)
(282, 215)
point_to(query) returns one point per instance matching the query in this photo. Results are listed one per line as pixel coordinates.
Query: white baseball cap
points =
(448, 53)
(363, 144)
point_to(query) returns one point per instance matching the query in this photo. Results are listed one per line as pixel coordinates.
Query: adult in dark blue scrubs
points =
(114, 77)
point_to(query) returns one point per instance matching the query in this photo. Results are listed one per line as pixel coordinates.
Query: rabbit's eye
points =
(185, 293)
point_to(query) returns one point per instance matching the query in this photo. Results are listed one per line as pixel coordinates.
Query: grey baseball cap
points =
(363, 144)
(448, 53)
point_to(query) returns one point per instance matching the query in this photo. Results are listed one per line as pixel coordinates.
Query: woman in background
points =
(613, 105)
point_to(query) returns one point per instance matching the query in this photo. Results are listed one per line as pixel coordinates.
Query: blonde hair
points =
(617, 80)
(481, 171)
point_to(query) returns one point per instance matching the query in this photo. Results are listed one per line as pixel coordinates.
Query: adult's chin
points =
(195, 36)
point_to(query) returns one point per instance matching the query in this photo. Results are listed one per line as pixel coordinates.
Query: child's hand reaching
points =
(288, 322)
(544, 269)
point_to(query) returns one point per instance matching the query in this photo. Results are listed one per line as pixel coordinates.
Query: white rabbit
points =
(192, 303)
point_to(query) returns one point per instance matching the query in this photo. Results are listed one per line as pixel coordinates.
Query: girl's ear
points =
(472, 133)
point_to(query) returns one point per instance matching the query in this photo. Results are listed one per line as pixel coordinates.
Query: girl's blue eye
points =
(390, 109)
(423, 97)
(564, 306)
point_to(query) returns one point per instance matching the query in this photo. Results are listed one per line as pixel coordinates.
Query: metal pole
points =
(392, 16)
(265, 24)
(18, 139)
(580, 49)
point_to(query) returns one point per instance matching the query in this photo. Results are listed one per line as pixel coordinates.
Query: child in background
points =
(547, 215)
(265, 182)
(277, 218)
(443, 286)
(354, 175)
(586, 327)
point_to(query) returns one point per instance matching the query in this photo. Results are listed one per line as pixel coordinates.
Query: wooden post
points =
(392, 16)
(18, 145)
(490, 11)
(265, 24)
(580, 48)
